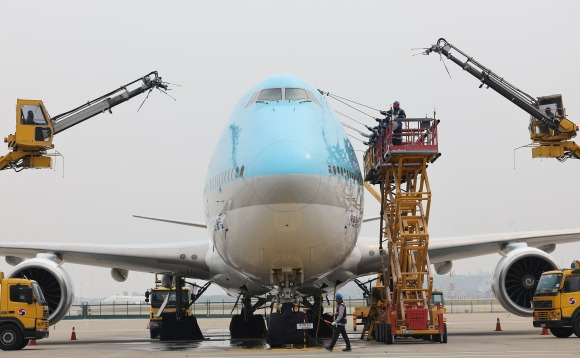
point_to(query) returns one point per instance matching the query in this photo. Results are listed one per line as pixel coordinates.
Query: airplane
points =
(284, 200)
(123, 299)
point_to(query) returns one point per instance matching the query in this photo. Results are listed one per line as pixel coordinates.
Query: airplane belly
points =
(260, 231)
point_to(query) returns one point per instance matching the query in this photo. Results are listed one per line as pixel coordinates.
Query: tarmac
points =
(469, 335)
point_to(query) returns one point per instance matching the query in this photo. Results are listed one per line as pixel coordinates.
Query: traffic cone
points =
(545, 332)
(73, 336)
(32, 342)
(497, 326)
(147, 326)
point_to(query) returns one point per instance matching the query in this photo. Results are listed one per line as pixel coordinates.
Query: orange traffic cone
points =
(147, 326)
(545, 332)
(32, 342)
(497, 326)
(73, 336)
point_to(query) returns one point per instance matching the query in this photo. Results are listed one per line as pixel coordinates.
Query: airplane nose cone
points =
(286, 176)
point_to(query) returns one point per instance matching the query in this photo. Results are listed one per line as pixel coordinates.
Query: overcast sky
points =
(153, 162)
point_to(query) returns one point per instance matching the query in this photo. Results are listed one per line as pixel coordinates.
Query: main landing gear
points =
(248, 325)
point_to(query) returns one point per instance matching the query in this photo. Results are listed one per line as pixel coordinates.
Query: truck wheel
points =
(10, 338)
(562, 332)
(444, 338)
(153, 333)
(390, 337)
(24, 343)
(576, 326)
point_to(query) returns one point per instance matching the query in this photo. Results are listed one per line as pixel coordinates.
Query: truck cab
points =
(556, 302)
(23, 313)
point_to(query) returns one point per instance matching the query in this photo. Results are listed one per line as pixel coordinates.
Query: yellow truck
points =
(23, 313)
(556, 301)
(165, 321)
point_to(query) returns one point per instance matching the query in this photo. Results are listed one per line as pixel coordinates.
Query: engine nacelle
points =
(56, 284)
(443, 268)
(516, 277)
(119, 275)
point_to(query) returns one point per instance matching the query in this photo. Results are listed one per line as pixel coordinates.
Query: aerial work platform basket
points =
(397, 161)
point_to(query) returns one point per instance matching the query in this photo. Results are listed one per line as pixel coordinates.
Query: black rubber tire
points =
(379, 332)
(10, 338)
(154, 333)
(576, 326)
(562, 332)
(390, 338)
(444, 337)
(24, 343)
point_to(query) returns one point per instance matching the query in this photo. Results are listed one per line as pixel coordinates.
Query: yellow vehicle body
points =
(23, 313)
(32, 138)
(360, 313)
(437, 302)
(157, 296)
(556, 302)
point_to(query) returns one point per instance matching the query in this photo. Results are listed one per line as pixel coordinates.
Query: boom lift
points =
(550, 132)
(401, 306)
(35, 129)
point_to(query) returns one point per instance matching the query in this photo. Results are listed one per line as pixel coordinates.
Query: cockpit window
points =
(296, 94)
(287, 94)
(270, 94)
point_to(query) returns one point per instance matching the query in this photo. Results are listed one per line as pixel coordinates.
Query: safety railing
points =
(414, 135)
(222, 309)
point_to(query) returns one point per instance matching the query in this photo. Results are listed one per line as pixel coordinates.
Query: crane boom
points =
(554, 142)
(35, 129)
(104, 103)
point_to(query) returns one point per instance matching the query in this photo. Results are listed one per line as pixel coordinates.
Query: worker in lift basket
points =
(339, 325)
(393, 114)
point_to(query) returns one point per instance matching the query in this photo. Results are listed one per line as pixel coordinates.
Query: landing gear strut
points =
(248, 325)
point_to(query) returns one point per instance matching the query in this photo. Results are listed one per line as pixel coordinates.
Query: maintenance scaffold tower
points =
(401, 306)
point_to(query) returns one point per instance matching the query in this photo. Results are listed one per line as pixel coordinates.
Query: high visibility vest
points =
(343, 320)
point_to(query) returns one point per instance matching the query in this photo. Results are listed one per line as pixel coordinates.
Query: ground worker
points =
(339, 325)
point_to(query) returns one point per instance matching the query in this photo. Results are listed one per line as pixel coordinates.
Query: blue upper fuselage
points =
(282, 126)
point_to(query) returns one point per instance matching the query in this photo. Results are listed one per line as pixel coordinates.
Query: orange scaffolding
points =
(397, 161)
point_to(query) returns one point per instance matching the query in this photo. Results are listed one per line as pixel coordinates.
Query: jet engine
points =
(56, 284)
(516, 277)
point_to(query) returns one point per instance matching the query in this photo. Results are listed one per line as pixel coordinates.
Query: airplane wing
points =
(471, 246)
(186, 258)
